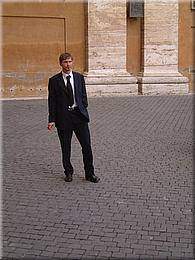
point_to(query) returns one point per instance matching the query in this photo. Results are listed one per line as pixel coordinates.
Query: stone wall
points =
(160, 73)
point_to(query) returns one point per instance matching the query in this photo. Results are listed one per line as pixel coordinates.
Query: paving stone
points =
(142, 207)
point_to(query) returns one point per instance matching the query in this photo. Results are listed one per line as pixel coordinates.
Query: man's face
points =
(67, 65)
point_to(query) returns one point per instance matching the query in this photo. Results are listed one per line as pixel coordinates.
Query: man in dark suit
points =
(67, 102)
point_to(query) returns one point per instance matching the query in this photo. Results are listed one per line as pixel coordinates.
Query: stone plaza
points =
(143, 205)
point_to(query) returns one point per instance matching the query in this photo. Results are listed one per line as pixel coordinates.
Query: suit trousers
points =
(76, 123)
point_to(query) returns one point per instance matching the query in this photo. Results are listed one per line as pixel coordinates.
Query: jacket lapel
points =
(61, 82)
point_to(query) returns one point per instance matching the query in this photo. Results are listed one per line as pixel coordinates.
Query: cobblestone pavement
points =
(141, 208)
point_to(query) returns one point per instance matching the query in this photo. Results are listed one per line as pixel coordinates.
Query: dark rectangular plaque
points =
(193, 4)
(136, 8)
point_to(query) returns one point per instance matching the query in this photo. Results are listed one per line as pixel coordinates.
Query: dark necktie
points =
(70, 92)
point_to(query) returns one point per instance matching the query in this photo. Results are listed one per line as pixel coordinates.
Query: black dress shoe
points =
(92, 178)
(68, 178)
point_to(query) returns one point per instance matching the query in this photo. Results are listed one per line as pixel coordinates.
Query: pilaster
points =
(107, 45)
(160, 73)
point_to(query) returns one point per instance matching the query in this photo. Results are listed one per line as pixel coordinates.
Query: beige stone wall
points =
(103, 40)
(160, 73)
(161, 45)
(107, 49)
(34, 35)
(186, 52)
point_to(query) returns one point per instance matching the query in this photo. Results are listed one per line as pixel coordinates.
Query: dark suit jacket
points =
(57, 98)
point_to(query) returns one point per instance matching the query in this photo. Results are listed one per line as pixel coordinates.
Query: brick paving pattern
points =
(142, 207)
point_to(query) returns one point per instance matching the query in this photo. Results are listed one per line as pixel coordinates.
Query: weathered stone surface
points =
(163, 89)
(107, 49)
(160, 62)
(106, 89)
(164, 54)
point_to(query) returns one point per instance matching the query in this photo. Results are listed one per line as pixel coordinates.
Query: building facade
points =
(121, 48)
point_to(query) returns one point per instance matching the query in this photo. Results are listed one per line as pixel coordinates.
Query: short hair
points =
(65, 56)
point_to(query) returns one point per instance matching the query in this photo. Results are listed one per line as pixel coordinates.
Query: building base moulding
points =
(160, 85)
(101, 84)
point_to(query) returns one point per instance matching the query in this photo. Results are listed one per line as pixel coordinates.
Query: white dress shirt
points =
(72, 84)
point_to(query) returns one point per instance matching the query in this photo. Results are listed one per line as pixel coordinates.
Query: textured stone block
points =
(160, 62)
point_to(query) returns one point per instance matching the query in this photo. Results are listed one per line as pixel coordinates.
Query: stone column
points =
(160, 51)
(107, 44)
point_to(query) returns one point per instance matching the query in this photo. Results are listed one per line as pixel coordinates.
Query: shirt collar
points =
(65, 75)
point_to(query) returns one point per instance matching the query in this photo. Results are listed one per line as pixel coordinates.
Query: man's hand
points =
(50, 125)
